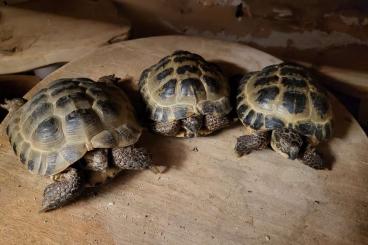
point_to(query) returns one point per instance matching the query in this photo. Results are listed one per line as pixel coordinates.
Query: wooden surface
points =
(351, 83)
(208, 195)
(12, 86)
(40, 32)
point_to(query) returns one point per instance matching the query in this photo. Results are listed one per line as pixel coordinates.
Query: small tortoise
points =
(284, 99)
(185, 95)
(78, 131)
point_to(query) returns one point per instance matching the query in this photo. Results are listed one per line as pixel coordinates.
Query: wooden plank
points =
(40, 32)
(207, 196)
(12, 86)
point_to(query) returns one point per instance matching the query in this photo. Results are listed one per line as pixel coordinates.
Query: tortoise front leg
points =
(167, 128)
(255, 141)
(312, 158)
(214, 123)
(13, 104)
(131, 158)
(67, 186)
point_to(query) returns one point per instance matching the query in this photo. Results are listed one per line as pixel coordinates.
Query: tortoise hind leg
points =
(131, 158)
(312, 158)
(214, 123)
(167, 128)
(254, 141)
(67, 186)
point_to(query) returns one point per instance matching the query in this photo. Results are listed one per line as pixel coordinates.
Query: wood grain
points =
(41, 32)
(207, 196)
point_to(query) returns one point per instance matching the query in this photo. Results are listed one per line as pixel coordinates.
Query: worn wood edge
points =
(32, 58)
(108, 228)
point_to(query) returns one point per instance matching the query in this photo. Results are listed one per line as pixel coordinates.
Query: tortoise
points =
(185, 95)
(79, 132)
(284, 105)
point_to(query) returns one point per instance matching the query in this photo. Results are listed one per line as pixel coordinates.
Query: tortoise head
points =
(192, 125)
(287, 142)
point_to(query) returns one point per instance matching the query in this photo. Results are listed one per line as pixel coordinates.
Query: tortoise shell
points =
(184, 84)
(68, 118)
(284, 95)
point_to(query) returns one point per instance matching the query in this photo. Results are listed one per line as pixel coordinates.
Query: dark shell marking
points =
(187, 68)
(294, 101)
(306, 128)
(212, 84)
(269, 70)
(258, 122)
(168, 89)
(72, 99)
(273, 122)
(266, 80)
(283, 91)
(266, 95)
(294, 71)
(161, 114)
(320, 103)
(180, 112)
(162, 63)
(48, 131)
(248, 117)
(181, 87)
(165, 73)
(191, 86)
(53, 128)
(293, 82)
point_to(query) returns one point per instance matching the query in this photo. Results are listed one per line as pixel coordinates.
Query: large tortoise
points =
(185, 95)
(78, 131)
(286, 100)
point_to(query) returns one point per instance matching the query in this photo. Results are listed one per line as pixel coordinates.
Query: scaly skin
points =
(312, 158)
(96, 160)
(255, 141)
(167, 128)
(13, 104)
(131, 158)
(192, 125)
(67, 186)
(214, 123)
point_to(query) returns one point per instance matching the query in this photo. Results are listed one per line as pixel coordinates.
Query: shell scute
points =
(184, 84)
(66, 119)
(286, 95)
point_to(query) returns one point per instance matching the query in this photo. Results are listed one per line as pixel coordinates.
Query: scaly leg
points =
(67, 186)
(214, 123)
(312, 158)
(167, 128)
(255, 141)
(13, 104)
(131, 158)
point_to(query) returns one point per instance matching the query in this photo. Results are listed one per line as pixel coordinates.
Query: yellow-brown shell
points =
(184, 84)
(68, 118)
(285, 95)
